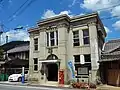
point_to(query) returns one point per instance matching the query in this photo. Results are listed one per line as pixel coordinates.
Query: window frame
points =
(35, 64)
(78, 65)
(53, 39)
(86, 37)
(35, 44)
(76, 37)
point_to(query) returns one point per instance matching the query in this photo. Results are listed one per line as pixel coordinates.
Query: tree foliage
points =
(1, 53)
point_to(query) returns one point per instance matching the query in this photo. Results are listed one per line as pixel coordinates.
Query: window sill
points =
(35, 71)
(51, 47)
(35, 51)
(86, 45)
(82, 64)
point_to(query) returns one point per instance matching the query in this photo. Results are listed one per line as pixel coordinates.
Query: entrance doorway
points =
(52, 72)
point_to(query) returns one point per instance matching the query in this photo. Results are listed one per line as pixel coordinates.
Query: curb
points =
(27, 84)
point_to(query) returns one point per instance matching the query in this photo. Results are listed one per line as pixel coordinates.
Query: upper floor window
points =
(76, 38)
(52, 38)
(35, 64)
(86, 36)
(36, 44)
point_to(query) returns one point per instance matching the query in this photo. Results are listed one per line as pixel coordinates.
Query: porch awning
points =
(108, 60)
(49, 61)
(17, 61)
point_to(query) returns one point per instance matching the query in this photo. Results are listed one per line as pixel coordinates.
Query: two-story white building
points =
(67, 44)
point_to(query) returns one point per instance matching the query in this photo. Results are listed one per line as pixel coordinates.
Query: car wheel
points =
(19, 79)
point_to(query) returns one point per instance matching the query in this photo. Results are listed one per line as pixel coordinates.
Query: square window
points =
(77, 58)
(87, 58)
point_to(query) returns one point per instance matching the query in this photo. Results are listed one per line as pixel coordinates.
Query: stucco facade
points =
(63, 48)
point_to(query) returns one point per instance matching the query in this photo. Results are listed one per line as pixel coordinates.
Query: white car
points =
(17, 77)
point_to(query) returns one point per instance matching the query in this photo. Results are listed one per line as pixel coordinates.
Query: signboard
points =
(70, 65)
(83, 71)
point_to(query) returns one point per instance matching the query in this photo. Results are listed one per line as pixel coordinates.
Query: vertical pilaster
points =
(62, 48)
(31, 57)
(94, 49)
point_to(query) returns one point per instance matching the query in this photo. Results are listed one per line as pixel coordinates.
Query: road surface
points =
(17, 87)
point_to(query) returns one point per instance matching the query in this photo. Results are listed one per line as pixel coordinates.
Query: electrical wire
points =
(22, 10)
(9, 18)
(111, 7)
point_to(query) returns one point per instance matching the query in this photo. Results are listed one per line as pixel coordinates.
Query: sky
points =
(25, 13)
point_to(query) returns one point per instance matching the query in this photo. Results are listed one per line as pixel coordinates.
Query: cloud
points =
(82, 14)
(107, 29)
(48, 14)
(14, 35)
(116, 11)
(95, 5)
(116, 25)
(51, 13)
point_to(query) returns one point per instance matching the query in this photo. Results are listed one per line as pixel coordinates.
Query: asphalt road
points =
(16, 87)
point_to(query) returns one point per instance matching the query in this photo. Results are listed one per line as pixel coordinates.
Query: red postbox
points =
(61, 76)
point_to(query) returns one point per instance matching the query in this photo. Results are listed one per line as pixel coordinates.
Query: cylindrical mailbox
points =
(61, 76)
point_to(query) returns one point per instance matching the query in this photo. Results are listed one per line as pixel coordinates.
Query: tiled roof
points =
(19, 49)
(111, 51)
(111, 45)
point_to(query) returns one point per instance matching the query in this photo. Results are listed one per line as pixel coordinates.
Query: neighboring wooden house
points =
(9, 46)
(16, 58)
(110, 63)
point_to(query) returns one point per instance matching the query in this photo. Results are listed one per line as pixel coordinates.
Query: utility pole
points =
(6, 39)
(1, 31)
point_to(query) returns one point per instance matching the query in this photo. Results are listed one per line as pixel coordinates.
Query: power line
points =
(18, 10)
(102, 9)
(22, 10)
(111, 17)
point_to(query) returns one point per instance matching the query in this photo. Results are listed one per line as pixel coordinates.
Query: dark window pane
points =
(36, 41)
(77, 58)
(77, 66)
(35, 67)
(52, 42)
(75, 32)
(35, 61)
(86, 40)
(57, 37)
(76, 42)
(36, 44)
(47, 39)
(86, 36)
(36, 47)
(87, 58)
(51, 35)
(85, 32)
